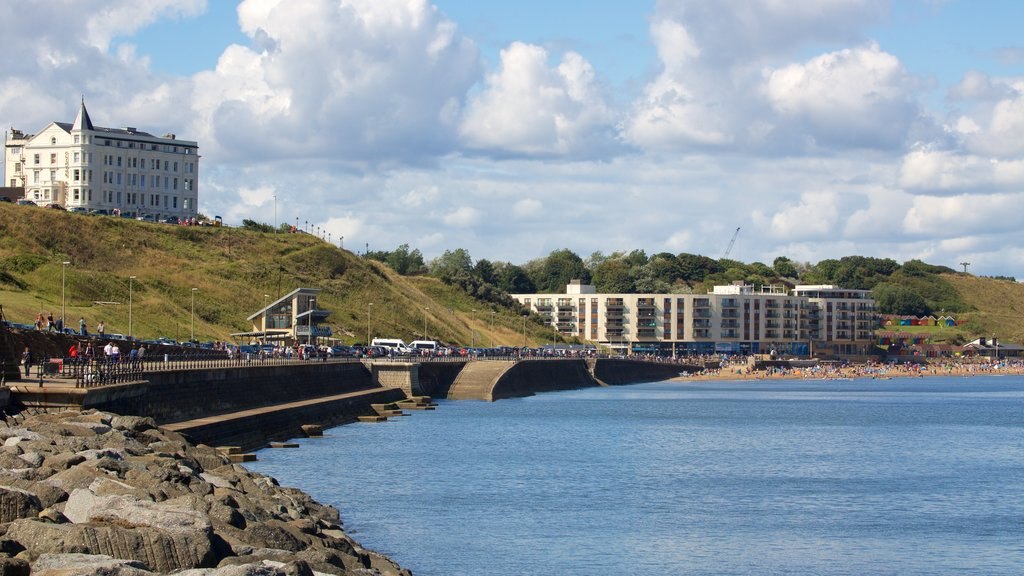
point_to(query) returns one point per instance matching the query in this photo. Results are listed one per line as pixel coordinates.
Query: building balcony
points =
(702, 323)
(730, 313)
(730, 324)
(702, 333)
(702, 313)
(772, 314)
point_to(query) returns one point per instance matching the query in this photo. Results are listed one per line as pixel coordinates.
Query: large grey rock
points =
(85, 506)
(157, 550)
(16, 503)
(86, 565)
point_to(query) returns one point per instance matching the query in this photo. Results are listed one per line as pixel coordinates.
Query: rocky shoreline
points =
(91, 492)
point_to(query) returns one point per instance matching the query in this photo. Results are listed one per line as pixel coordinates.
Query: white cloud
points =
(528, 108)
(420, 197)
(943, 171)
(356, 81)
(815, 215)
(679, 241)
(527, 207)
(963, 215)
(257, 196)
(853, 97)
(462, 216)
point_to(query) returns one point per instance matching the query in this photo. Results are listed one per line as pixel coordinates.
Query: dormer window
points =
(53, 140)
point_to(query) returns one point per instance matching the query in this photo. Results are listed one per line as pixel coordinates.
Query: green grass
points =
(231, 268)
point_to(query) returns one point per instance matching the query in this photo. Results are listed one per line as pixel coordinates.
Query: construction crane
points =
(731, 243)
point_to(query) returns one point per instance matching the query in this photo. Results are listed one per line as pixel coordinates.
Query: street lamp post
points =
(275, 213)
(425, 310)
(472, 330)
(524, 330)
(194, 314)
(131, 279)
(491, 328)
(369, 307)
(63, 270)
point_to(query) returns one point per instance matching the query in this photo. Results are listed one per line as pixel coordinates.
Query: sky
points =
(819, 128)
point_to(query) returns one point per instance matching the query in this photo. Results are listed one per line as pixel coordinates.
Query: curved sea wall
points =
(94, 493)
(528, 377)
(616, 371)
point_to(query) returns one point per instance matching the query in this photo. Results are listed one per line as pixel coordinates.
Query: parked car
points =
(78, 210)
(171, 220)
(146, 218)
(99, 212)
(25, 202)
(55, 206)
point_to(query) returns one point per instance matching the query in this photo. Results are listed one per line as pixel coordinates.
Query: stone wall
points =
(189, 394)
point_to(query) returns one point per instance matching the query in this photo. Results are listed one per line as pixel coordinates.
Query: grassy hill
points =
(232, 269)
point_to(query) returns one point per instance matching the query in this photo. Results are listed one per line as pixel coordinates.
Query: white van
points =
(396, 345)
(424, 346)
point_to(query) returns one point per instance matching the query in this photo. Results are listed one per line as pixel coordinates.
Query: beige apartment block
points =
(732, 319)
(111, 170)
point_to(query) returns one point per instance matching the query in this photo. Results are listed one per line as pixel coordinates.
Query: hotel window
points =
(76, 156)
(53, 158)
(175, 166)
(175, 203)
(53, 175)
(76, 175)
(175, 184)
(75, 191)
(36, 159)
(53, 140)
(118, 161)
(17, 166)
(76, 138)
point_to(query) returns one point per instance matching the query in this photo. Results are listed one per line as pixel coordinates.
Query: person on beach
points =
(26, 361)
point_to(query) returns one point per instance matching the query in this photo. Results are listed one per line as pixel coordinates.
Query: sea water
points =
(902, 477)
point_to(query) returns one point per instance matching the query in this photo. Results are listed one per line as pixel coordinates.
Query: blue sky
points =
(822, 128)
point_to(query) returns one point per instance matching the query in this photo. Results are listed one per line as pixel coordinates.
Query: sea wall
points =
(618, 371)
(528, 377)
(189, 394)
(436, 378)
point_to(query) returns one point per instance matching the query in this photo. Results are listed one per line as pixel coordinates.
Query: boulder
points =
(86, 565)
(84, 506)
(16, 503)
(14, 567)
(157, 550)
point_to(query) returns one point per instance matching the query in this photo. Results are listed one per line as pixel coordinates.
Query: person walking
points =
(81, 327)
(101, 328)
(26, 361)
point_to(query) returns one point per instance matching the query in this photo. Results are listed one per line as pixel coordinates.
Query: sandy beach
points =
(866, 371)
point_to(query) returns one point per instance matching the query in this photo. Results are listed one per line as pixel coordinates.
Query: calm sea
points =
(864, 477)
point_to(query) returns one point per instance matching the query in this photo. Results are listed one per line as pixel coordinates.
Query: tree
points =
(784, 268)
(613, 276)
(558, 269)
(484, 270)
(403, 261)
(513, 279)
(694, 268)
(449, 264)
(896, 299)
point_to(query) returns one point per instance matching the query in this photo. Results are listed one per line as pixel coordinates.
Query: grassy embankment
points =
(232, 270)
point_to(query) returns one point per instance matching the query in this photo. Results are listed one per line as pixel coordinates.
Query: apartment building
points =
(732, 319)
(111, 170)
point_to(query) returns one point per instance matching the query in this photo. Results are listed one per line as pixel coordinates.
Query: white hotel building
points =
(823, 321)
(112, 170)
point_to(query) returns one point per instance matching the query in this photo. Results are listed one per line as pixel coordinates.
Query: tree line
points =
(912, 288)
